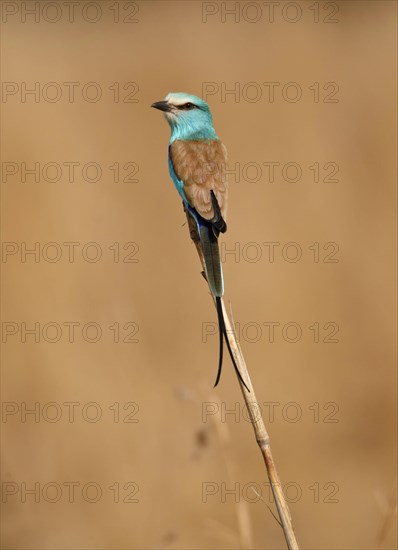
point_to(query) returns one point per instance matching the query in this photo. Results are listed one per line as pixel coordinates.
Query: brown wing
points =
(201, 166)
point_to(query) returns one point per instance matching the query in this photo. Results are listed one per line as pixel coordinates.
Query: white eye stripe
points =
(185, 106)
(177, 101)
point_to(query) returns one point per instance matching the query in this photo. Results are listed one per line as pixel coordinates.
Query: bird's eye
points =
(189, 105)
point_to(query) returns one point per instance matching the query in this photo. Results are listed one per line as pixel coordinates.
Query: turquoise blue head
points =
(189, 116)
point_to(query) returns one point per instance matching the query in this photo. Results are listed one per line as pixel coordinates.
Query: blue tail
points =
(211, 255)
(214, 275)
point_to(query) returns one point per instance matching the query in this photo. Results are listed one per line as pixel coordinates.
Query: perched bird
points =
(197, 162)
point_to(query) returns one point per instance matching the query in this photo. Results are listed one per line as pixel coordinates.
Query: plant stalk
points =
(253, 408)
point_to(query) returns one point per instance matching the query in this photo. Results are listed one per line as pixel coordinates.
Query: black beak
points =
(162, 106)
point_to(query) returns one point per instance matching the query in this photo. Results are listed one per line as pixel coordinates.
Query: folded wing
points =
(201, 167)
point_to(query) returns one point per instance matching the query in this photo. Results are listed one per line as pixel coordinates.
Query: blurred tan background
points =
(144, 410)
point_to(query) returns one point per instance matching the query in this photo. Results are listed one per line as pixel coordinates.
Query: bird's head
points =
(189, 116)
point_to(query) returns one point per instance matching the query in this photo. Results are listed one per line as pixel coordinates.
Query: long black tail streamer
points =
(223, 332)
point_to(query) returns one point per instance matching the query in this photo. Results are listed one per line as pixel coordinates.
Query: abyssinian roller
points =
(197, 162)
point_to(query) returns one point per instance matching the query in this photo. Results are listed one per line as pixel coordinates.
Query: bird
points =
(197, 162)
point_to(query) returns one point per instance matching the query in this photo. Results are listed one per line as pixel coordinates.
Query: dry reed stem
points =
(253, 408)
(242, 510)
